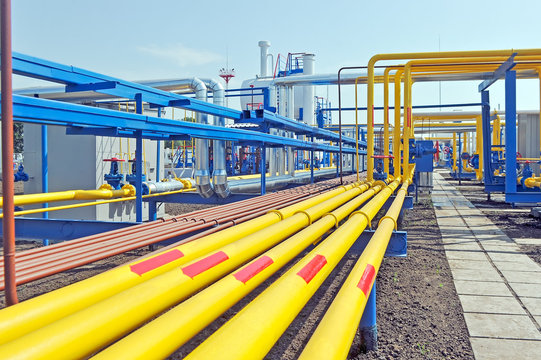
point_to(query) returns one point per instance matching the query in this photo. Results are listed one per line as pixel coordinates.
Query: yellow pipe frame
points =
(421, 55)
(91, 315)
(251, 333)
(333, 337)
(455, 167)
(161, 337)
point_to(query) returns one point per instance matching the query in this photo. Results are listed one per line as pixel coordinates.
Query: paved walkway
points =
(499, 286)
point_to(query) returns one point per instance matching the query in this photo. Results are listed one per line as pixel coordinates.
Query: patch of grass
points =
(423, 349)
(395, 277)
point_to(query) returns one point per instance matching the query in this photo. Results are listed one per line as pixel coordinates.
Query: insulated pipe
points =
(102, 193)
(219, 173)
(185, 320)
(264, 45)
(47, 308)
(8, 208)
(252, 332)
(333, 337)
(202, 175)
(308, 61)
(82, 333)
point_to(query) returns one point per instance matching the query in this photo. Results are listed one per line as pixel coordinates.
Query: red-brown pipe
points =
(8, 207)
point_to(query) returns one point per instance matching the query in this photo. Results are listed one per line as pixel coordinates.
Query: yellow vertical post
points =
(397, 115)
(539, 73)
(465, 149)
(356, 130)
(407, 119)
(454, 152)
(479, 150)
(386, 120)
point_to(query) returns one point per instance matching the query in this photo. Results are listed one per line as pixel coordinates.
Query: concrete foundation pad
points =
(491, 305)
(501, 326)
(465, 287)
(497, 349)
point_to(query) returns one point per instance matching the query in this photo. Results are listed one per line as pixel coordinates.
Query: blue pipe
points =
(44, 171)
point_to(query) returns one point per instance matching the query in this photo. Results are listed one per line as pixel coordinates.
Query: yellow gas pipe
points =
(164, 335)
(104, 192)
(334, 334)
(82, 333)
(455, 166)
(16, 321)
(253, 331)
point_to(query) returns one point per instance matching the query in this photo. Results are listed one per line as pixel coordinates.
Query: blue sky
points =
(174, 39)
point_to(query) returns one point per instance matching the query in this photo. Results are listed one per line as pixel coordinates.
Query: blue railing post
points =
(263, 169)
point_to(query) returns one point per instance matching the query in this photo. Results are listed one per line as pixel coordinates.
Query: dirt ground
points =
(517, 223)
(418, 311)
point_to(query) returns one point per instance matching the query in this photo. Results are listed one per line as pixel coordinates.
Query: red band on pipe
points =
(312, 268)
(409, 117)
(202, 265)
(253, 269)
(155, 262)
(366, 280)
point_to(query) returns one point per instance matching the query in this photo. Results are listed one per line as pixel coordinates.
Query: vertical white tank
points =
(308, 93)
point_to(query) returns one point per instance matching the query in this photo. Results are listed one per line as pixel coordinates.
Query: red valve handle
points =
(114, 159)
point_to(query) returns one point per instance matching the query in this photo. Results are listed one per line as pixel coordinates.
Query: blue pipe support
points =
(44, 171)
(139, 164)
(510, 133)
(459, 158)
(368, 326)
(263, 169)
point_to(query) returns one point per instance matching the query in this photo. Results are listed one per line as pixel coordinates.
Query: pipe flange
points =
(130, 188)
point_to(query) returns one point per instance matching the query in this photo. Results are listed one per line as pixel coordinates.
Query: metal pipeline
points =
(202, 174)
(104, 192)
(252, 332)
(187, 319)
(219, 173)
(82, 333)
(42, 310)
(334, 334)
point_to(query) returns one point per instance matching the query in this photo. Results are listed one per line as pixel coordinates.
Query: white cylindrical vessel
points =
(264, 45)
(308, 95)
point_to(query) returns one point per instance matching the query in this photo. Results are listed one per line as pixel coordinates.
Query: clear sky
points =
(175, 39)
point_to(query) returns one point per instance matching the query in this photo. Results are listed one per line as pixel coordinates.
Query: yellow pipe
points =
(161, 337)
(94, 203)
(356, 131)
(539, 74)
(252, 332)
(397, 117)
(103, 192)
(333, 337)
(421, 55)
(82, 333)
(386, 119)
(455, 167)
(532, 182)
(16, 321)
(479, 149)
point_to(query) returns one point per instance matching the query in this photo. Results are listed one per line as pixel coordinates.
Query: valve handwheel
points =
(114, 159)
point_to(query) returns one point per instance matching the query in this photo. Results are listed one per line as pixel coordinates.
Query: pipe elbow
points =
(203, 184)
(221, 187)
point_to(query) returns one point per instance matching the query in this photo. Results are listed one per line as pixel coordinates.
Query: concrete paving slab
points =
(497, 349)
(462, 246)
(528, 277)
(533, 305)
(528, 290)
(528, 241)
(501, 326)
(502, 256)
(502, 248)
(469, 264)
(476, 275)
(465, 255)
(523, 265)
(466, 287)
(490, 304)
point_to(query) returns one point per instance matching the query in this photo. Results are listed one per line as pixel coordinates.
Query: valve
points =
(20, 175)
(131, 178)
(114, 178)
